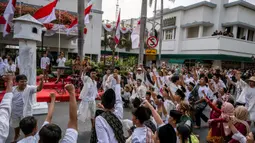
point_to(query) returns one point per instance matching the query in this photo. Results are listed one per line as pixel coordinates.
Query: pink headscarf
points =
(227, 111)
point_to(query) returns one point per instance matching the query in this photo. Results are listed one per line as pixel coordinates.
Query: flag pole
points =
(20, 3)
(59, 43)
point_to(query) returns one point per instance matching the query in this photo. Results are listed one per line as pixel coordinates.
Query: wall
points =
(231, 14)
(192, 15)
(246, 15)
(207, 14)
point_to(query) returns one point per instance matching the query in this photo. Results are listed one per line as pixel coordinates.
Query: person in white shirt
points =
(5, 109)
(108, 72)
(7, 59)
(108, 124)
(61, 63)
(217, 83)
(141, 89)
(10, 67)
(22, 101)
(140, 74)
(51, 132)
(17, 61)
(111, 81)
(141, 134)
(250, 98)
(87, 108)
(45, 62)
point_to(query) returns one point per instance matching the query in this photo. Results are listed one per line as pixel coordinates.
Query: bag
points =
(194, 138)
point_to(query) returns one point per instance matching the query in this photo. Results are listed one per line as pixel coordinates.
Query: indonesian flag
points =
(87, 13)
(8, 16)
(72, 26)
(46, 14)
(135, 36)
(74, 23)
(117, 35)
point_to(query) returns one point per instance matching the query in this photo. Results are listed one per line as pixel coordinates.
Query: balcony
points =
(218, 45)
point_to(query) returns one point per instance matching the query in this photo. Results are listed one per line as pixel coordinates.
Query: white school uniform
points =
(45, 61)
(10, 68)
(87, 108)
(104, 131)
(22, 104)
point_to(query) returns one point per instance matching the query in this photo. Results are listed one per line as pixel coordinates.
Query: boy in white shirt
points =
(10, 67)
(22, 101)
(51, 132)
(45, 62)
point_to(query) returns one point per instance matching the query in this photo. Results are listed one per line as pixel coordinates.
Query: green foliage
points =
(39, 72)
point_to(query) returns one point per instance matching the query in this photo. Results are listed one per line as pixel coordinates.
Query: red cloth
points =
(242, 129)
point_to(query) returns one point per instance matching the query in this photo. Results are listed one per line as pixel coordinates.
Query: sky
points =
(132, 8)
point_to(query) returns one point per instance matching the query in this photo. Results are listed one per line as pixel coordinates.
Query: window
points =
(193, 32)
(169, 34)
(240, 33)
(250, 35)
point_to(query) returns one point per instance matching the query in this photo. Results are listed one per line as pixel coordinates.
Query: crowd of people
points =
(166, 105)
(225, 33)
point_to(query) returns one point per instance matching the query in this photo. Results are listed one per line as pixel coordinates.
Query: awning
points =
(176, 61)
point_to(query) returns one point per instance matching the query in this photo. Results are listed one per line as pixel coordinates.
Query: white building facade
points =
(188, 30)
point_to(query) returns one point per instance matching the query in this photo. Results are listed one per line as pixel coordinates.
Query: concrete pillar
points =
(185, 35)
(200, 31)
(173, 37)
(235, 31)
(217, 64)
(246, 34)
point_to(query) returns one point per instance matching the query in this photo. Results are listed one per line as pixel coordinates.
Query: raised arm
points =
(40, 86)
(72, 107)
(51, 107)
(118, 105)
(5, 109)
(155, 115)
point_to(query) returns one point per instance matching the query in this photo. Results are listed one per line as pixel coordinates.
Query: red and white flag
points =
(117, 35)
(135, 36)
(46, 14)
(87, 13)
(8, 16)
(72, 26)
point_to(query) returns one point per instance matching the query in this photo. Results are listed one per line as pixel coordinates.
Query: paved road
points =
(61, 116)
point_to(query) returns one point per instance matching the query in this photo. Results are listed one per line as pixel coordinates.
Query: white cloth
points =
(27, 98)
(5, 113)
(218, 85)
(6, 61)
(169, 105)
(45, 61)
(61, 62)
(87, 110)
(189, 79)
(89, 91)
(126, 95)
(250, 100)
(104, 131)
(111, 82)
(141, 91)
(140, 76)
(104, 81)
(239, 137)
(10, 68)
(207, 91)
(240, 91)
(139, 135)
(71, 136)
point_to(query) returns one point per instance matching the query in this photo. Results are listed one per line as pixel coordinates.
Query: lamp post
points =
(44, 29)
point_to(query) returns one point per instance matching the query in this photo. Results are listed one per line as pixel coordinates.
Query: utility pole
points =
(161, 30)
(154, 19)
(80, 27)
(142, 30)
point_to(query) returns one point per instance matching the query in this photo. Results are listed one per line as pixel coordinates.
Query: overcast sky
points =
(132, 8)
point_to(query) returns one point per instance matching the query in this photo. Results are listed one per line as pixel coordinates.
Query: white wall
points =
(192, 15)
(231, 14)
(246, 15)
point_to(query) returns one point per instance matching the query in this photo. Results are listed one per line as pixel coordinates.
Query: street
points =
(61, 117)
